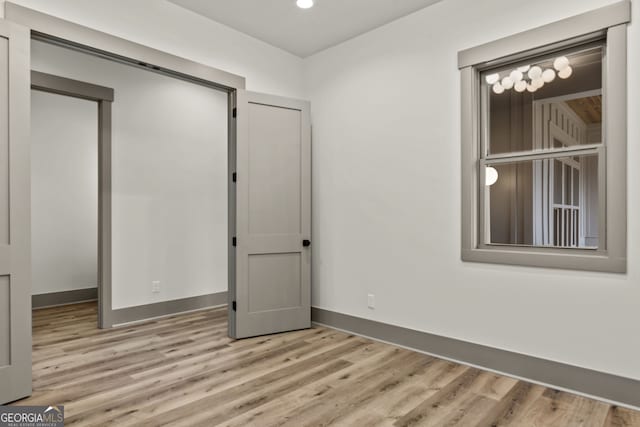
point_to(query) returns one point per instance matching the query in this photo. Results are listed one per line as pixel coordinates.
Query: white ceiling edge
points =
(303, 33)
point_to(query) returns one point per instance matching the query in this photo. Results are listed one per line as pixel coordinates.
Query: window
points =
(544, 145)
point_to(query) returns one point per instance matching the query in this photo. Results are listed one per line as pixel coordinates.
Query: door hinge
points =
(233, 305)
(234, 176)
(234, 241)
(235, 112)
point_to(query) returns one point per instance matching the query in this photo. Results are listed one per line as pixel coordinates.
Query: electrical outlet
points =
(155, 286)
(371, 301)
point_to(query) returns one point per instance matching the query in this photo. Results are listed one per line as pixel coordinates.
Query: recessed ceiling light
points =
(304, 4)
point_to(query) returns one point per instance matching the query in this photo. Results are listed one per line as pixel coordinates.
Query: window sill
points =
(566, 259)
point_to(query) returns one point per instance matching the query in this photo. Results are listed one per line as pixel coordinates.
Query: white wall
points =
(168, 27)
(169, 178)
(386, 200)
(64, 193)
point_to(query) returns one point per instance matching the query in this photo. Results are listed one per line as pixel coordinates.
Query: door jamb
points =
(104, 96)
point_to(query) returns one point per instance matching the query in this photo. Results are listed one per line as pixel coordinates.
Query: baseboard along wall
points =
(54, 299)
(600, 385)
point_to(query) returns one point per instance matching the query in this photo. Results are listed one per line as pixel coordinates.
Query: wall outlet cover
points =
(371, 301)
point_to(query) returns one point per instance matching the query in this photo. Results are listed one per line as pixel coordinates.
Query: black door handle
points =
(306, 243)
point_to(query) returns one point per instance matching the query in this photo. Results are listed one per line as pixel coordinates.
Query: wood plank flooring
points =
(184, 371)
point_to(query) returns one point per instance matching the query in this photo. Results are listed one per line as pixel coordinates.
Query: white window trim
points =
(612, 255)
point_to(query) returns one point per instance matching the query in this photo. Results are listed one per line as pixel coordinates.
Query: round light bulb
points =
(524, 68)
(535, 72)
(492, 78)
(520, 86)
(516, 76)
(548, 75)
(304, 4)
(490, 176)
(538, 83)
(561, 63)
(531, 88)
(498, 89)
(507, 83)
(566, 72)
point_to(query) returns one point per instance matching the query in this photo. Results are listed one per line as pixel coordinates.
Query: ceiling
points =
(304, 32)
(589, 108)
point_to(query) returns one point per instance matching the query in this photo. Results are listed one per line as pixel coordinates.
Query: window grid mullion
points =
(542, 155)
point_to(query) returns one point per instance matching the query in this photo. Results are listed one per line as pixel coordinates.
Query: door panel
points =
(4, 141)
(274, 282)
(273, 216)
(15, 214)
(5, 319)
(274, 191)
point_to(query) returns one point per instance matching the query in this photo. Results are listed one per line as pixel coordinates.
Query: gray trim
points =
(165, 308)
(569, 28)
(614, 211)
(105, 316)
(231, 155)
(279, 101)
(104, 97)
(54, 299)
(15, 250)
(611, 256)
(470, 153)
(595, 384)
(97, 42)
(64, 86)
(569, 259)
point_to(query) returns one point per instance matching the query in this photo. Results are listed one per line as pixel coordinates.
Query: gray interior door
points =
(273, 216)
(15, 214)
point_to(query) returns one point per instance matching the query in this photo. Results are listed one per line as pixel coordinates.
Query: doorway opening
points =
(71, 192)
(169, 188)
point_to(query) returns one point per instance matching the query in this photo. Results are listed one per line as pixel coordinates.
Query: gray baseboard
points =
(64, 297)
(596, 384)
(166, 308)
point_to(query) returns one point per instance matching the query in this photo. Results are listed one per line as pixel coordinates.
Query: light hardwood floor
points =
(184, 371)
